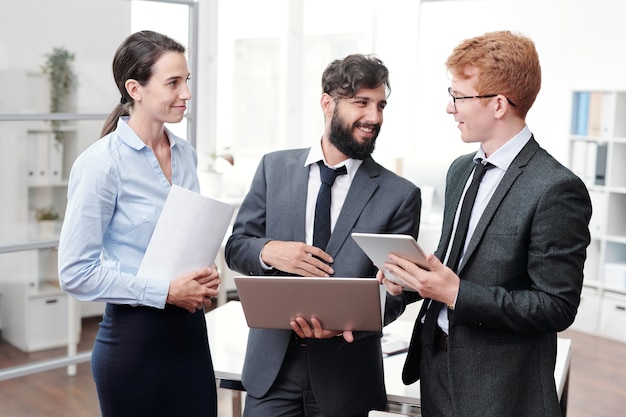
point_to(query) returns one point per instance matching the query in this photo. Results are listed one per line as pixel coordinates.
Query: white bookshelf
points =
(598, 155)
(35, 313)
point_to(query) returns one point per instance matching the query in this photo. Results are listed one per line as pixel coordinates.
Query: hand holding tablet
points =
(378, 247)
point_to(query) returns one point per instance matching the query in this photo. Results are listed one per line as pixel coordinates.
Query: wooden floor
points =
(597, 381)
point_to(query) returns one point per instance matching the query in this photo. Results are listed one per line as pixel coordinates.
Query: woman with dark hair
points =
(151, 355)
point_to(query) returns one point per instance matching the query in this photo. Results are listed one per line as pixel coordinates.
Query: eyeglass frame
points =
(454, 99)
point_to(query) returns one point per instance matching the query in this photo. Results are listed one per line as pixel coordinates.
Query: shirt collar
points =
(130, 138)
(504, 155)
(316, 154)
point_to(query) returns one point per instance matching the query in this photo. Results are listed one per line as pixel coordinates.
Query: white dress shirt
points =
(115, 195)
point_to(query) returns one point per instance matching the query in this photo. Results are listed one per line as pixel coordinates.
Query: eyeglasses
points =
(453, 99)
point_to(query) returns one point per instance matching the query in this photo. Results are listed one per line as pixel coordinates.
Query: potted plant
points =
(63, 82)
(48, 221)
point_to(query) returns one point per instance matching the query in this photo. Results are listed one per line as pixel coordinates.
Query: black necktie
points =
(428, 332)
(321, 225)
(464, 216)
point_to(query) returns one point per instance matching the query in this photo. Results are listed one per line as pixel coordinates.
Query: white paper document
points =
(188, 235)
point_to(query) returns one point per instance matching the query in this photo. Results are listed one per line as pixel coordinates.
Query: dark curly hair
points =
(342, 78)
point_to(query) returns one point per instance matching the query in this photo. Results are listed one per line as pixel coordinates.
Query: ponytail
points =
(111, 122)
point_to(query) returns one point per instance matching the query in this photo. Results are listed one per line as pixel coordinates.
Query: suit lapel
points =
(361, 190)
(296, 198)
(454, 195)
(512, 173)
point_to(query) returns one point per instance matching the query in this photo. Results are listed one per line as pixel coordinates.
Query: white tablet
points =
(272, 302)
(378, 247)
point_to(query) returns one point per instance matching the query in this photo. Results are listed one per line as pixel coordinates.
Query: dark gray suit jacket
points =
(347, 378)
(521, 279)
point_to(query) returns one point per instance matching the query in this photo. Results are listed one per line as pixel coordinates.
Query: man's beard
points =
(343, 139)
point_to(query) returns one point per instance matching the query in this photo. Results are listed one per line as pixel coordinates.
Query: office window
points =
(255, 87)
(270, 61)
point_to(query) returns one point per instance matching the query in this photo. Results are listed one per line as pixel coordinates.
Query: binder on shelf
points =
(600, 164)
(607, 119)
(584, 161)
(595, 114)
(578, 158)
(45, 161)
(619, 123)
(589, 175)
(38, 160)
(574, 119)
(55, 159)
(581, 115)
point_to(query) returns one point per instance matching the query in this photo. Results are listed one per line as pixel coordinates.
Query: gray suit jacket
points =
(347, 378)
(521, 279)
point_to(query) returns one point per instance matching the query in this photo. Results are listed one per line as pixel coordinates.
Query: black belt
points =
(441, 339)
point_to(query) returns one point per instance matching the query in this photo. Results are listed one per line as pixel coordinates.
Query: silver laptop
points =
(338, 303)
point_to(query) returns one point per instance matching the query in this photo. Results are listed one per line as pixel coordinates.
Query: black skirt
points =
(151, 362)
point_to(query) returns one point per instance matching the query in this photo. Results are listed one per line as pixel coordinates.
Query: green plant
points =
(47, 213)
(63, 81)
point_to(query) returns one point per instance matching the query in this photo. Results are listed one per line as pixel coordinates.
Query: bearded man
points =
(310, 370)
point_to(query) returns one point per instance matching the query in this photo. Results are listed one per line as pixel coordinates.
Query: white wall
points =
(92, 29)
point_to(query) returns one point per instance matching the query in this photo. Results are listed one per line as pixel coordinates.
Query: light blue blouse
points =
(115, 195)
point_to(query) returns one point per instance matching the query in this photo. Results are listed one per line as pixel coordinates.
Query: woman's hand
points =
(194, 290)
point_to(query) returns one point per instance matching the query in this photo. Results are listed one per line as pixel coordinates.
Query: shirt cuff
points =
(156, 292)
(264, 265)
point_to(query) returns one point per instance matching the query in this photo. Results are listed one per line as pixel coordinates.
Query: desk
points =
(228, 335)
